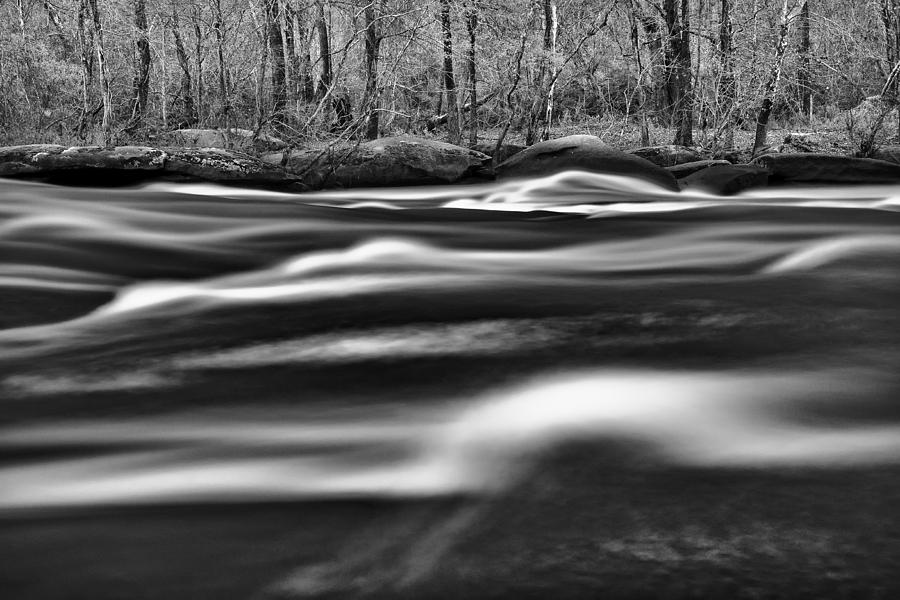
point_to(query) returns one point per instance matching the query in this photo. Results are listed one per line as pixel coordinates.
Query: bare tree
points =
(276, 49)
(372, 43)
(804, 67)
(471, 27)
(141, 86)
(105, 91)
(187, 113)
(449, 81)
(679, 89)
(727, 95)
(788, 15)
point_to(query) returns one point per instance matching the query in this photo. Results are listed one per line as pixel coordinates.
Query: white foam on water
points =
(476, 446)
(824, 252)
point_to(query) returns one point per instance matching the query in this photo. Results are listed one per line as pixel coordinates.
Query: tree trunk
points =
(276, 49)
(105, 92)
(85, 42)
(198, 53)
(471, 27)
(771, 89)
(324, 50)
(678, 71)
(553, 25)
(449, 81)
(187, 112)
(804, 70)
(726, 88)
(141, 85)
(890, 18)
(219, 27)
(538, 113)
(304, 64)
(657, 65)
(372, 42)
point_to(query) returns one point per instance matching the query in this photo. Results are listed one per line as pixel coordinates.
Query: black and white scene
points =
(449, 299)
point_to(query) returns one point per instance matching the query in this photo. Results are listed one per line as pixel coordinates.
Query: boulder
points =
(887, 153)
(827, 168)
(392, 161)
(724, 180)
(585, 153)
(243, 140)
(85, 164)
(667, 156)
(685, 169)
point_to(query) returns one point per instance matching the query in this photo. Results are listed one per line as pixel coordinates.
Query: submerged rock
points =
(667, 156)
(586, 153)
(827, 168)
(402, 160)
(724, 180)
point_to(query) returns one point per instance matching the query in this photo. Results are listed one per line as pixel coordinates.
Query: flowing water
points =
(579, 383)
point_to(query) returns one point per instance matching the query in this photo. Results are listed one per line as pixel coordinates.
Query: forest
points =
(709, 73)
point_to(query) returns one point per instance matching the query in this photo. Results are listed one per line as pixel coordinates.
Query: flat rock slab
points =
(667, 156)
(97, 165)
(685, 169)
(827, 168)
(392, 161)
(584, 153)
(725, 180)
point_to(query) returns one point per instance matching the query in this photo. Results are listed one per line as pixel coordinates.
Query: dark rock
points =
(888, 153)
(505, 151)
(685, 169)
(827, 168)
(667, 156)
(403, 160)
(95, 165)
(242, 140)
(585, 153)
(724, 180)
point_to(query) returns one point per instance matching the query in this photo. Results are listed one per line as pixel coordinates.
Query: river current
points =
(417, 354)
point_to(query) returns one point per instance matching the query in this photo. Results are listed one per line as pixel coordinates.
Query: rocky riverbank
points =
(407, 160)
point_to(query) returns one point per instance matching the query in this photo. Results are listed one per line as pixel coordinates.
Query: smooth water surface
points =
(580, 384)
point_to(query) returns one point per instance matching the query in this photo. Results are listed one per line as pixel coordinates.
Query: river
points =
(572, 386)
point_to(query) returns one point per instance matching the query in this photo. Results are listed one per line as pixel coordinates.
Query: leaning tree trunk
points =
(471, 27)
(141, 86)
(449, 81)
(771, 89)
(372, 42)
(105, 91)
